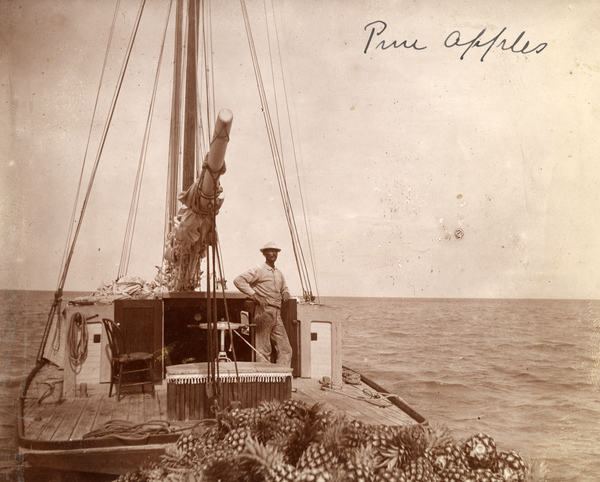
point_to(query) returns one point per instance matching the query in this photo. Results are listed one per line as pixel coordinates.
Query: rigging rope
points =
(72, 237)
(87, 145)
(293, 144)
(130, 228)
(103, 140)
(277, 154)
(207, 81)
(297, 245)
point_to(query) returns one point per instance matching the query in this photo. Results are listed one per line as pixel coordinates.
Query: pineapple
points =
(399, 444)
(270, 407)
(184, 449)
(417, 435)
(456, 473)
(326, 417)
(360, 465)
(446, 456)
(219, 469)
(316, 475)
(379, 435)
(388, 444)
(328, 449)
(439, 445)
(318, 455)
(358, 433)
(486, 475)
(384, 474)
(242, 417)
(512, 466)
(291, 441)
(296, 408)
(420, 469)
(480, 451)
(266, 463)
(296, 436)
(205, 444)
(236, 439)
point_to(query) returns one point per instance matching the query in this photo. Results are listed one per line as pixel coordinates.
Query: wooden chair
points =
(138, 367)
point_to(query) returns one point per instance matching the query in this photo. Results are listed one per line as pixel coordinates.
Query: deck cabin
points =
(71, 423)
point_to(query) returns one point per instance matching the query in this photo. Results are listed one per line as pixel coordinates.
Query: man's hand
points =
(285, 296)
(259, 300)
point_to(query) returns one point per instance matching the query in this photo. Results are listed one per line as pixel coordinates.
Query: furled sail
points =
(193, 229)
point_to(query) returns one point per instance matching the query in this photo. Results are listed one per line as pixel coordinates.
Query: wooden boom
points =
(215, 159)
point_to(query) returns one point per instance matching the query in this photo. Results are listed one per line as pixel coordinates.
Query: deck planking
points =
(380, 409)
(72, 419)
(122, 410)
(60, 412)
(36, 417)
(349, 400)
(105, 411)
(87, 418)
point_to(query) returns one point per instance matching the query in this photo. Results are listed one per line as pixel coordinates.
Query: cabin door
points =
(141, 324)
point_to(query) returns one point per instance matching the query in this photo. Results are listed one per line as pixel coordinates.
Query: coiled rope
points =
(77, 341)
(128, 431)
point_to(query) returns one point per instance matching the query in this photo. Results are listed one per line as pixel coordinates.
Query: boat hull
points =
(100, 460)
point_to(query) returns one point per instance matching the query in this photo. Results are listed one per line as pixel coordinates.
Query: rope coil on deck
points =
(132, 432)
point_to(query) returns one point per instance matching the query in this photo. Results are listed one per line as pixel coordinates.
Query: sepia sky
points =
(424, 174)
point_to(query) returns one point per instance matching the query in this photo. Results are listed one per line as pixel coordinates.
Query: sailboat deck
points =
(74, 418)
(71, 419)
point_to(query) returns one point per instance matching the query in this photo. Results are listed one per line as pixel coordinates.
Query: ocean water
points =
(525, 372)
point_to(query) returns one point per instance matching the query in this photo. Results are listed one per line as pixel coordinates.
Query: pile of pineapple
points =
(291, 441)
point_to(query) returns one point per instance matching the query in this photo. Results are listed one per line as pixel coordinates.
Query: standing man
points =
(265, 284)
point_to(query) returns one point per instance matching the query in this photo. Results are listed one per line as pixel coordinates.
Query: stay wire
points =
(297, 247)
(130, 228)
(296, 239)
(276, 102)
(103, 140)
(288, 211)
(87, 145)
(73, 241)
(303, 203)
(208, 77)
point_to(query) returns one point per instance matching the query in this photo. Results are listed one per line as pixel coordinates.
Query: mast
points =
(176, 124)
(190, 111)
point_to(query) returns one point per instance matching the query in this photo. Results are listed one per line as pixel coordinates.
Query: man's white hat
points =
(270, 245)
